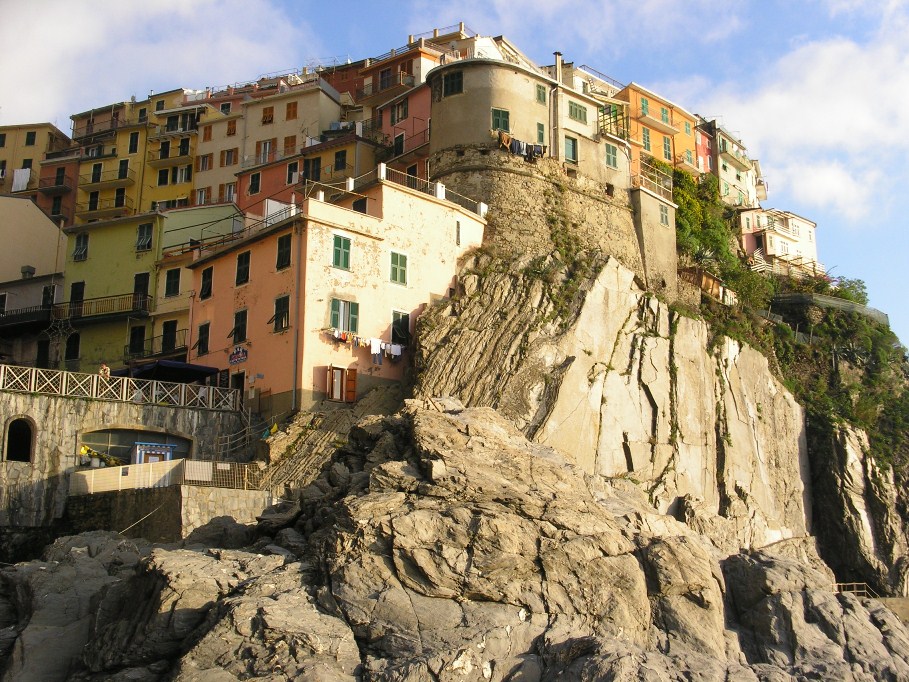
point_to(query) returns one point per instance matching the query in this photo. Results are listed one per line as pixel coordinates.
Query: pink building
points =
(779, 242)
(322, 303)
(404, 121)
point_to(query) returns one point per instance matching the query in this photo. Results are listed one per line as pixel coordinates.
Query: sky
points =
(818, 90)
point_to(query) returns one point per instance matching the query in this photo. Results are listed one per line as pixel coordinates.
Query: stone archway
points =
(19, 444)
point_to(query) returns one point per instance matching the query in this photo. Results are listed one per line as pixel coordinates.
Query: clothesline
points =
(519, 147)
(377, 347)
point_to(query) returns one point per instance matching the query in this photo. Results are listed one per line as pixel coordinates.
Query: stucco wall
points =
(657, 242)
(35, 492)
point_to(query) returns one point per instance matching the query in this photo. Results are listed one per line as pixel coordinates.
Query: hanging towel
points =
(21, 176)
(395, 350)
(375, 346)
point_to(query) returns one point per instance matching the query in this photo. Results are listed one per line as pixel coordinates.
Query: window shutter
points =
(223, 154)
(258, 150)
(221, 190)
(198, 163)
(353, 317)
(335, 313)
(350, 386)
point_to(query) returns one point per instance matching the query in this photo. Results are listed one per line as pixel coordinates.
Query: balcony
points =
(663, 123)
(107, 179)
(55, 185)
(690, 165)
(165, 131)
(653, 179)
(95, 309)
(97, 127)
(728, 152)
(385, 88)
(172, 157)
(38, 315)
(761, 188)
(105, 208)
(404, 147)
(165, 345)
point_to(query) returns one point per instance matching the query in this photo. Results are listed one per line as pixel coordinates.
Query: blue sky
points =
(818, 90)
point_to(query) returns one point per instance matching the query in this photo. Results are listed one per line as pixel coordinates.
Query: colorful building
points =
(323, 303)
(779, 242)
(22, 149)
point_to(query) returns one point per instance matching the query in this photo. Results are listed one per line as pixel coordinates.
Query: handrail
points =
(858, 589)
(156, 345)
(19, 379)
(52, 183)
(233, 475)
(107, 176)
(105, 305)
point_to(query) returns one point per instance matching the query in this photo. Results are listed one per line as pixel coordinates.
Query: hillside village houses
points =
(279, 232)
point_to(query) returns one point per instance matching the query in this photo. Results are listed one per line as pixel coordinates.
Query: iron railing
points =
(35, 313)
(118, 203)
(158, 345)
(128, 176)
(54, 184)
(105, 305)
(20, 379)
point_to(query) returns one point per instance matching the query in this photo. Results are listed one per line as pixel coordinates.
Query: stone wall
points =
(34, 493)
(163, 514)
(534, 205)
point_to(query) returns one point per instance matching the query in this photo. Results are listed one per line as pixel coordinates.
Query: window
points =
(254, 181)
(143, 114)
(645, 106)
(452, 83)
(2, 139)
(345, 315)
(359, 205)
(268, 115)
(664, 114)
(225, 107)
(123, 169)
(169, 336)
(290, 142)
(57, 206)
(133, 142)
(2, 304)
(206, 162)
(26, 163)
(664, 214)
(399, 111)
(283, 259)
(230, 191)
(172, 282)
(688, 156)
(312, 168)
(81, 250)
(181, 174)
(163, 176)
(72, 347)
(341, 252)
(577, 112)
(229, 157)
(159, 105)
(398, 268)
(242, 268)
(281, 318)
(238, 333)
(541, 133)
(231, 126)
(201, 344)
(612, 156)
(144, 237)
(398, 145)
(93, 198)
(205, 291)
(687, 128)
(137, 341)
(340, 160)
(541, 94)
(30, 138)
(500, 120)
(184, 147)
(667, 148)
(292, 172)
(645, 138)
(291, 111)
(571, 149)
(400, 327)
(19, 441)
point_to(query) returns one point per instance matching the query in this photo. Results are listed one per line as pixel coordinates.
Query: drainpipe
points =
(554, 147)
(298, 321)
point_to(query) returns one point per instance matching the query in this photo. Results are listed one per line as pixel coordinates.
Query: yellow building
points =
(22, 148)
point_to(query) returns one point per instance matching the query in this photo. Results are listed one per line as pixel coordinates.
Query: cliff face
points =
(440, 544)
(625, 387)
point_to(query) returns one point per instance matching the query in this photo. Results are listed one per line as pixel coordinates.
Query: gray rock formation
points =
(441, 544)
(626, 387)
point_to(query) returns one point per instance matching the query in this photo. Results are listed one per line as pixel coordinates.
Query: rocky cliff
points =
(440, 544)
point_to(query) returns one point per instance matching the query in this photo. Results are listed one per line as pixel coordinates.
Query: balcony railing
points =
(109, 178)
(55, 185)
(117, 205)
(736, 157)
(97, 127)
(116, 389)
(409, 143)
(105, 305)
(30, 315)
(653, 179)
(169, 130)
(395, 80)
(170, 157)
(158, 345)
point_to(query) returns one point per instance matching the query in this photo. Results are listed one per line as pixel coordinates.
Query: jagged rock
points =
(278, 516)
(624, 387)
(222, 531)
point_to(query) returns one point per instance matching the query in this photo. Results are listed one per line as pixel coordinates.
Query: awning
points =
(167, 370)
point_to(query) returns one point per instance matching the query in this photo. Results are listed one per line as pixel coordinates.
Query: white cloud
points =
(91, 54)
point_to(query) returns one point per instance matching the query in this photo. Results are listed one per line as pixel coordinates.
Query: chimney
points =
(558, 67)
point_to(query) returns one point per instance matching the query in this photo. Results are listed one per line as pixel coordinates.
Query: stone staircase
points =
(299, 452)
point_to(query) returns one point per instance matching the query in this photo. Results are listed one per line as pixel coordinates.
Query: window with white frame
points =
(667, 148)
(81, 250)
(500, 120)
(664, 214)
(612, 155)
